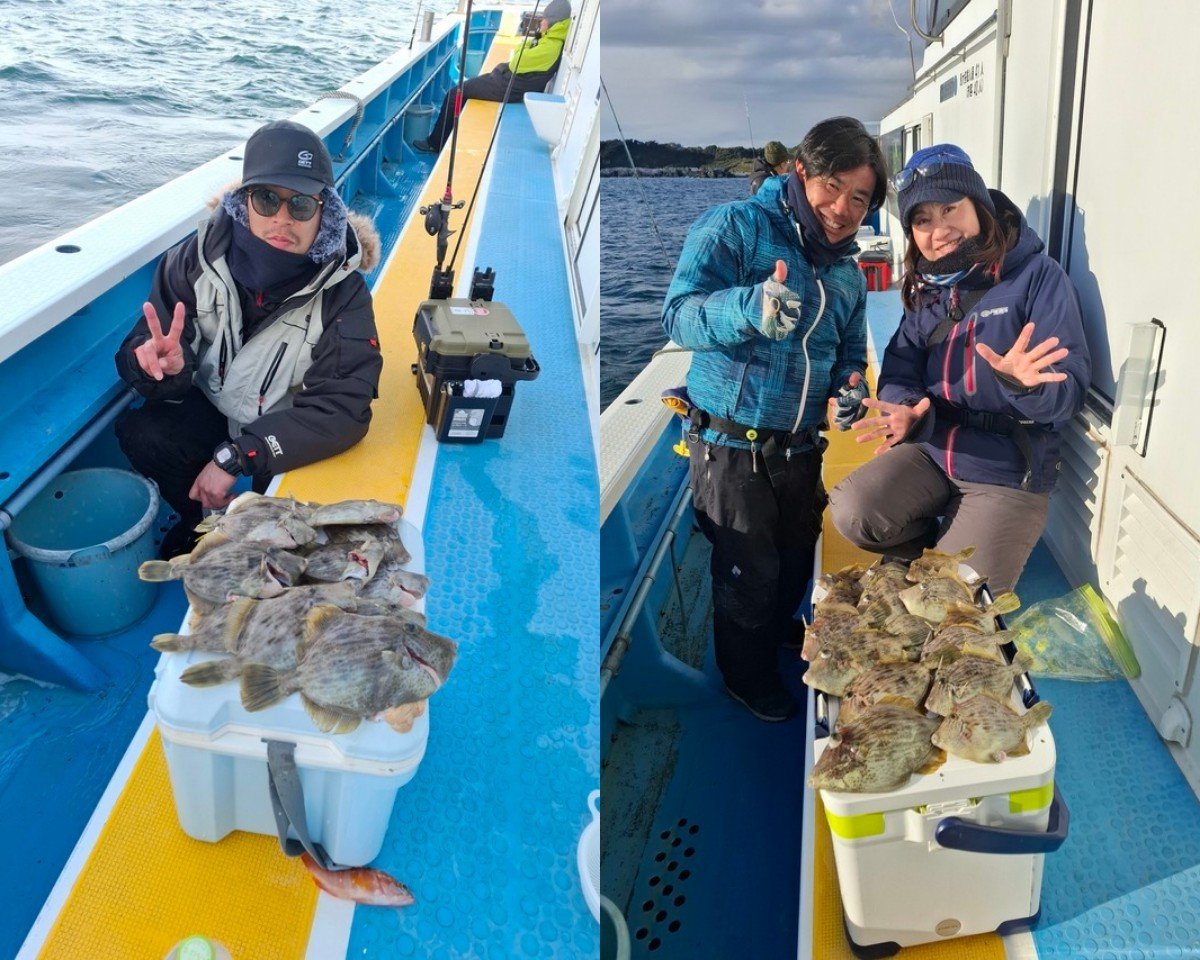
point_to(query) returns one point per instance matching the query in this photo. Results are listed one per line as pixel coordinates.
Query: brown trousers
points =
(892, 505)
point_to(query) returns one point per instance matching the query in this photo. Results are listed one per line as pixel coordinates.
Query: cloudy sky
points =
(677, 69)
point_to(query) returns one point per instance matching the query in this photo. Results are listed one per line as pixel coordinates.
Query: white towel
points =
(482, 388)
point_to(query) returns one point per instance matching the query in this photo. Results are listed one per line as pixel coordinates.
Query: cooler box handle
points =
(955, 833)
(287, 803)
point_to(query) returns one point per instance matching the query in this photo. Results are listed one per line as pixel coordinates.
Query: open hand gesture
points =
(892, 424)
(161, 354)
(1023, 364)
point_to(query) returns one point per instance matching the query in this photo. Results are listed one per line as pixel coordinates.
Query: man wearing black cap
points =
(527, 71)
(257, 351)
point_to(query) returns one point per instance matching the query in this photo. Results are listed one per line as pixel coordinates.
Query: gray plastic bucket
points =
(475, 60)
(84, 537)
(418, 121)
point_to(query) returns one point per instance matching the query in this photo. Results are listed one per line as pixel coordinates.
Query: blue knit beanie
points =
(951, 178)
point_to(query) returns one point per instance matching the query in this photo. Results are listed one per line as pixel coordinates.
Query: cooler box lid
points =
(465, 328)
(213, 718)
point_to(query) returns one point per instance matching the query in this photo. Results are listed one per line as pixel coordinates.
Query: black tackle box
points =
(461, 340)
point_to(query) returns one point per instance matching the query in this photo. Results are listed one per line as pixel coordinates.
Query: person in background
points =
(257, 351)
(773, 163)
(529, 69)
(988, 365)
(769, 298)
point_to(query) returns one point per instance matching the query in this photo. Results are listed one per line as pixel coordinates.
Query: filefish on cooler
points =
(253, 518)
(878, 751)
(355, 513)
(901, 681)
(948, 643)
(988, 730)
(216, 572)
(841, 587)
(935, 563)
(838, 663)
(393, 584)
(345, 560)
(350, 667)
(966, 676)
(831, 621)
(388, 533)
(253, 631)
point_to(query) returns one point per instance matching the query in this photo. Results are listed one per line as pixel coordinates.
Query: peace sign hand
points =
(1023, 364)
(161, 354)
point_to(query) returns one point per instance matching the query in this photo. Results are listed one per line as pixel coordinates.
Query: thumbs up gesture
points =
(162, 354)
(780, 305)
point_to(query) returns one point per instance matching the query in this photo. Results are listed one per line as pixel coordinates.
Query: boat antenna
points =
(633, 169)
(749, 127)
(483, 284)
(437, 215)
(416, 20)
(908, 36)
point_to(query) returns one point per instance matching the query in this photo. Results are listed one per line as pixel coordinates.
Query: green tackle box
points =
(459, 341)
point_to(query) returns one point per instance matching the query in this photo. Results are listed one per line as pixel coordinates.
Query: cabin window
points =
(938, 14)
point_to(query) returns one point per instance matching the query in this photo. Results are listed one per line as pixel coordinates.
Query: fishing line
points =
(638, 180)
(495, 130)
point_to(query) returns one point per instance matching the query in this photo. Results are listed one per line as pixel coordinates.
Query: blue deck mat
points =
(486, 832)
(58, 750)
(734, 799)
(1126, 884)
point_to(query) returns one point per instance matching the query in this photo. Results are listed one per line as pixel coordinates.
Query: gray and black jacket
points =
(300, 388)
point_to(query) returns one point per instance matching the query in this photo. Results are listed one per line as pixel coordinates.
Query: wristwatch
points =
(229, 458)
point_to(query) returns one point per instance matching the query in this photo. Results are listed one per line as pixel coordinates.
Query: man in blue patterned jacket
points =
(768, 296)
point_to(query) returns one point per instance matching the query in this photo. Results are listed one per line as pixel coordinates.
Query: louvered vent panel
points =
(1155, 583)
(1074, 505)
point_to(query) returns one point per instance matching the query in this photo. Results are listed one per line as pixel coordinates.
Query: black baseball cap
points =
(287, 154)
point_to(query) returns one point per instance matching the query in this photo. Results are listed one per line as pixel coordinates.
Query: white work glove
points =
(848, 404)
(780, 305)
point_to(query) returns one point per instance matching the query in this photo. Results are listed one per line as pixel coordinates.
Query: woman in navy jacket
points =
(987, 367)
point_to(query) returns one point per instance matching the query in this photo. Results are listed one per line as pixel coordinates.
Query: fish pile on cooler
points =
(917, 662)
(309, 598)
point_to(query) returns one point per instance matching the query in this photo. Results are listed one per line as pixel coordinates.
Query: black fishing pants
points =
(762, 514)
(488, 86)
(171, 442)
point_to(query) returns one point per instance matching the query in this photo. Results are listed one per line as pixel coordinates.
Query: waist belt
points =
(989, 422)
(755, 436)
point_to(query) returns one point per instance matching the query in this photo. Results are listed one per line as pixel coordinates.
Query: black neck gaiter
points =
(820, 252)
(259, 267)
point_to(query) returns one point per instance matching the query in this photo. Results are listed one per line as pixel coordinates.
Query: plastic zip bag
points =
(1074, 637)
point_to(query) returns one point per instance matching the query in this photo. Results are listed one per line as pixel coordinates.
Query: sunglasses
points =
(904, 179)
(300, 207)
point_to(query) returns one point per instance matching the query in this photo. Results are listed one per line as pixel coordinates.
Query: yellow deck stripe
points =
(146, 884)
(828, 934)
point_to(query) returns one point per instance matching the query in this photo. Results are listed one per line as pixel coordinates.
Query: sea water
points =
(636, 269)
(103, 100)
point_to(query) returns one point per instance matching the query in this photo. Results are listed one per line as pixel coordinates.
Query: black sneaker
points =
(768, 707)
(424, 146)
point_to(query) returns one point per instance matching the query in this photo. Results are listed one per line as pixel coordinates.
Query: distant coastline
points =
(653, 159)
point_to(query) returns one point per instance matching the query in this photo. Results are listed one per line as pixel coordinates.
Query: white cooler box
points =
(217, 758)
(954, 853)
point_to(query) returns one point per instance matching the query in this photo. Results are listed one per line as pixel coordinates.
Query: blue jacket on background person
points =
(1032, 287)
(714, 305)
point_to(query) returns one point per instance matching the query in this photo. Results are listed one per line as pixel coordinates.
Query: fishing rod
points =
(748, 126)
(437, 215)
(416, 20)
(484, 284)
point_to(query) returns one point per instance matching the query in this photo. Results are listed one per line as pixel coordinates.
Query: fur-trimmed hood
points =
(360, 230)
